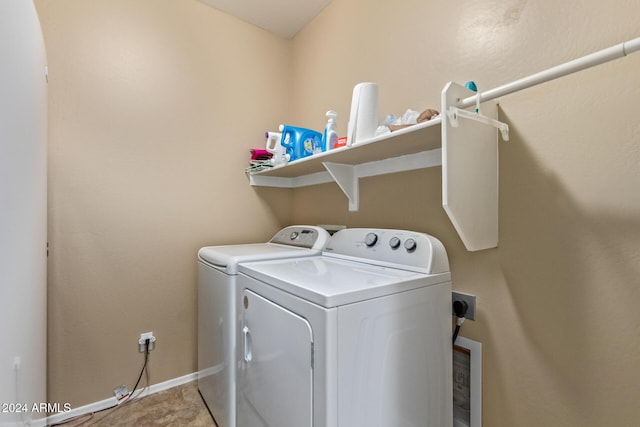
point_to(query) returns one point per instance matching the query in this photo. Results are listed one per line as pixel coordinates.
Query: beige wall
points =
(557, 301)
(154, 103)
(153, 107)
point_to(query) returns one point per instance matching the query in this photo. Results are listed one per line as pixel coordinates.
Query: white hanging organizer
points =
(464, 142)
(470, 168)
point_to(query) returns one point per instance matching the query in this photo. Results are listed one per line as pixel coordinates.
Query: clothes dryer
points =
(217, 273)
(359, 336)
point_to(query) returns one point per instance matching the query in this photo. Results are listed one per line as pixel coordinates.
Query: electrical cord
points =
(119, 404)
(460, 309)
(144, 367)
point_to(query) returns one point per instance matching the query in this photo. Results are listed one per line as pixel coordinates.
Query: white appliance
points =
(217, 272)
(357, 336)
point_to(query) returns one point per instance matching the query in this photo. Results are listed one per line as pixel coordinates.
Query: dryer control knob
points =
(371, 239)
(410, 245)
(394, 243)
(294, 235)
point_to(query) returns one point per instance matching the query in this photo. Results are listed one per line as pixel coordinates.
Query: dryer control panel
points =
(397, 248)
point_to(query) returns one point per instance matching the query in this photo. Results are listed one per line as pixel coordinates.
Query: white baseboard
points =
(107, 403)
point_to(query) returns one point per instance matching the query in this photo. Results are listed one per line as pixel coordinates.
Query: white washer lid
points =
(227, 257)
(331, 282)
(292, 241)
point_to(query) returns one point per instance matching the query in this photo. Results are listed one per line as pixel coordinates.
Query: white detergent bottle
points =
(275, 147)
(330, 135)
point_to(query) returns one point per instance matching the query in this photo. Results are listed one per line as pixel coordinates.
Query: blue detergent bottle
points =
(300, 142)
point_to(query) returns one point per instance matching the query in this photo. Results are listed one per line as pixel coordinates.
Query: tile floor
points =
(179, 406)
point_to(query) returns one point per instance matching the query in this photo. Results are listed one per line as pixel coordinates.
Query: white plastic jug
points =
(274, 146)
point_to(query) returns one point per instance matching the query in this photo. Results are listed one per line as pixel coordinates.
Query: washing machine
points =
(359, 335)
(217, 273)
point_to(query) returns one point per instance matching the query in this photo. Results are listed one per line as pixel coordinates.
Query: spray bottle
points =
(330, 135)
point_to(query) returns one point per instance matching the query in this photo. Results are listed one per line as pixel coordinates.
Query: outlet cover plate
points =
(471, 303)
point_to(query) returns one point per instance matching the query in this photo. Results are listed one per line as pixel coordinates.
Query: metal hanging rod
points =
(596, 58)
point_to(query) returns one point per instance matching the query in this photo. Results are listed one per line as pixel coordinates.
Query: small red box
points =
(341, 142)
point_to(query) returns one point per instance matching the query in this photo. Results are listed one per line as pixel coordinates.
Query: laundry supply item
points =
(274, 146)
(260, 159)
(363, 119)
(260, 154)
(341, 142)
(300, 142)
(411, 117)
(426, 115)
(330, 135)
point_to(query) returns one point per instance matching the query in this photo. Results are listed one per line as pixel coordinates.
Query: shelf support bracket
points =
(347, 179)
(454, 113)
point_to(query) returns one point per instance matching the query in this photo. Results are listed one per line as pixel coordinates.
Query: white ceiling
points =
(282, 17)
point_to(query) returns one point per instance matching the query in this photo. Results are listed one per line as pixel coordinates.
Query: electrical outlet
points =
(143, 340)
(469, 299)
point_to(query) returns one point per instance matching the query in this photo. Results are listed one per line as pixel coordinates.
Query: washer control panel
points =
(304, 236)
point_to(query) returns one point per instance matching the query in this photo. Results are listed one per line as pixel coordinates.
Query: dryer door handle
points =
(247, 344)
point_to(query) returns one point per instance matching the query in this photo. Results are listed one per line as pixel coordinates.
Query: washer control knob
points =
(294, 235)
(370, 239)
(394, 243)
(410, 245)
